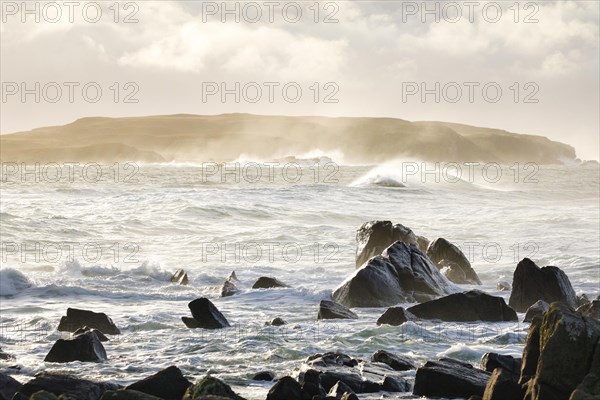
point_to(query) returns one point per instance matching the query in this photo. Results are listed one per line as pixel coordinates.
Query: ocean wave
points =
(13, 282)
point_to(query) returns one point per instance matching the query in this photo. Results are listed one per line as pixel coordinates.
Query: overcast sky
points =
(374, 54)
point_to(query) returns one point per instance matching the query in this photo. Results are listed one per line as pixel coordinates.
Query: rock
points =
(401, 274)
(263, 376)
(442, 250)
(422, 243)
(395, 316)
(232, 277)
(285, 389)
(339, 389)
(373, 237)
(588, 389)
(502, 386)
(125, 394)
(396, 362)
(395, 385)
(532, 283)
(101, 336)
(582, 299)
(276, 322)
(503, 286)
(331, 310)
(180, 277)
(8, 386)
(491, 361)
(84, 347)
(43, 395)
(210, 386)
(531, 351)
(473, 305)
(5, 356)
(538, 309)
(168, 383)
(77, 318)
(349, 396)
(71, 387)
(449, 378)
(591, 309)
(229, 289)
(205, 315)
(265, 282)
(453, 272)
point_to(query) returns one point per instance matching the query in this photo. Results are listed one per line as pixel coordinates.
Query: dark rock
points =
(591, 309)
(531, 351)
(395, 384)
(285, 389)
(71, 387)
(276, 322)
(349, 396)
(5, 356)
(205, 315)
(210, 386)
(76, 319)
(442, 250)
(502, 386)
(582, 299)
(395, 316)
(8, 386)
(449, 378)
(232, 277)
(312, 389)
(101, 336)
(85, 347)
(538, 309)
(532, 283)
(43, 395)
(265, 282)
(229, 289)
(339, 389)
(474, 397)
(168, 383)
(453, 272)
(373, 237)
(396, 362)
(180, 277)
(589, 388)
(468, 306)
(331, 310)
(503, 286)
(331, 359)
(401, 274)
(263, 376)
(125, 394)
(491, 361)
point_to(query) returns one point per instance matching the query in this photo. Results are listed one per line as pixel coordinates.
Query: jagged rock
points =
(276, 322)
(265, 282)
(229, 289)
(339, 389)
(126, 394)
(538, 309)
(591, 309)
(232, 276)
(77, 318)
(503, 286)
(395, 316)
(101, 336)
(449, 378)
(85, 347)
(373, 237)
(468, 306)
(582, 299)
(71, 387)
(531, 351)
(210, 386)
(503, 386)
(423, 243)
(180, 277)
(205, 315)
(444, 253)
(491, 361)
(532, 283)
(287, 388)
(168, 383)
(8, 386)
(331, 310)
(263, 376)
(396, 362)
(401, 274)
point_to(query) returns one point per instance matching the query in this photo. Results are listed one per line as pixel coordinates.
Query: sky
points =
(527, 67)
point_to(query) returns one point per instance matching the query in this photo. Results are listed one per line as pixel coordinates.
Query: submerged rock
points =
(373, 237)
(180, 277)
(449, 378)
(265, 282)
(538, 309)
(532, 283)
(396, 316)
(58, 384)
(276, 322)
(84, 347)
(503, 386)
(591, 309)
(394, 361)
(331, 310)
(287, 388)
(210, 386)
(473, 305)
(8, 386)
(168, 383)
(205, 315)
(101, 336)
(77, 318)
(446, 254)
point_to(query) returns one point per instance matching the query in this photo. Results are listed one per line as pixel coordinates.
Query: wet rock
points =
(449, 378)
(591, 309)
(453, 272)
(401, 274)
(394, 361)
(205, 315)
(180, 277)
(311, 386)
(373, 237)
(442, 250)
(532, 283)
(331, 310)
(395, 316)
(263, 376)
(395, 385)
(339, 389)
(229, 289)
(77, 318)
(582, 299)
(168, 383)
(503, 386)
(491, 361)
(125, 394)
(232, 277)
(84, 347)
(101, 336)
(5, 356)
(265, 282)
(210, 386)
(503, 286)
(538, 309)
(8, 386)
(287, 388)
(276, 322)
(70, 387)
(468, 306)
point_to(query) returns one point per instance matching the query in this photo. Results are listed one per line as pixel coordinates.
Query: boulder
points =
(490, 361)
(401, 274)
(210, 386)
(8, 386)
(125, 394)
(373, 237)
(395, 385)
(473, 305)
(84, 347)
(311, 385)
(180, 277)
(276, 322)
(168, 383)
(531, 351)
(532, 283)
(205, 315)
(503, 386)
(77, 318)
(423, 243)
(450, 379)
(444, 253)
(229, 289)
(394, 361)
(331, 310)
(591, 309)
(58, 384)
(287, 388)
(101, 336)
(537, 309)
(264, 376)
(395, 316)
(265, 282)
(339, 389)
